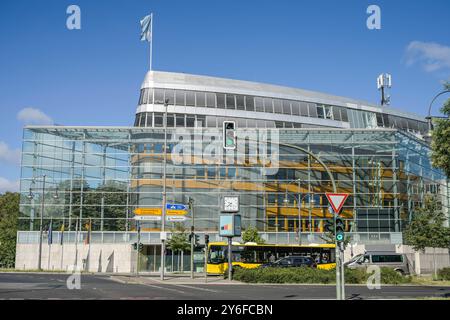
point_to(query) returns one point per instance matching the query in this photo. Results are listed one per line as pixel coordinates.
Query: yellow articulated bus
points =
(251, 255)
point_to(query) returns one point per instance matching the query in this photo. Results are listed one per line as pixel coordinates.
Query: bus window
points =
(216, 254)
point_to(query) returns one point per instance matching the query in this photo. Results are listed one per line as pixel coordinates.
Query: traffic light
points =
(329, 225)
(229, 135)
(340, 229)
(141, 246)
(197, 239)
(206, 239)
(135, 246)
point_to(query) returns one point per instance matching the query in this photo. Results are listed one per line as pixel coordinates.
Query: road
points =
(53, 286)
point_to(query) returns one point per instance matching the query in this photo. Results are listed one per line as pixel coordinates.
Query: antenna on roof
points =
(384, 82)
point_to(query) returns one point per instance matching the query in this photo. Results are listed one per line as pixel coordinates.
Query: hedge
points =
(443, 274)
(311, 275)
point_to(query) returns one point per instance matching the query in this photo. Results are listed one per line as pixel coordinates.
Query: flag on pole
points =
(50, 233)
(62, 235)
(88, 228)
(146, 27)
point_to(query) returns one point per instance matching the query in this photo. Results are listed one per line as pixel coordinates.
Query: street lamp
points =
(31, 196)
(299, 204)
(163, 222)
(429, 117)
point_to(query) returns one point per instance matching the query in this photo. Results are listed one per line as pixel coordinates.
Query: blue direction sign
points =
(174, 206)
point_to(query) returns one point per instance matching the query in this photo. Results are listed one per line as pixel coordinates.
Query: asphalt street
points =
(53, 286)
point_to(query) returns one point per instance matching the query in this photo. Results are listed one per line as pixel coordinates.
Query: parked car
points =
(291, 262)
(396, 261)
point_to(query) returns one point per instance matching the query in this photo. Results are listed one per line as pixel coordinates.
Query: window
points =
(295, 105)
(320, 112)
(145, 97)
(148, 120)
(170, 96)
(278, 106)
(201, 121)
(260, 124)
(328, 112)
(241, 123)
(337, 113)
(303, 109)
(250, 103)
(142, 120)
(220, 100)
(344, 116)
(140, 97)
(159, 96)
(179, 98)
(279, 124)
(210, 100)
(251, 123)
(231, 103)
(158, 120)
(200, 99)
(286, 107)
(180, 120)
(379, 120)
(170, 120)
(190, 120)
(387, 258)
(240, 102)
(268, 105)
(312, 110)
(297, 125)
(259, 104)
(190, 98)
(211, 122)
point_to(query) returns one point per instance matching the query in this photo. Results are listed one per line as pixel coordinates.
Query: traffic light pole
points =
(138, 225)
(192, 251)
(338, 262)
(230, 264)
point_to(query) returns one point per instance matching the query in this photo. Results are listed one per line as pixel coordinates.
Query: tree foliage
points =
(179, 241)
(9, 213)
(251, 235)
(440, 143)
(427, 227)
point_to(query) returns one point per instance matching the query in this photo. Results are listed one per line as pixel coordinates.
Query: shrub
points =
(310, 275)
(443, 274)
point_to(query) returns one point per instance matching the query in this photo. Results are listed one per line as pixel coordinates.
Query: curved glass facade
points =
(105, 174)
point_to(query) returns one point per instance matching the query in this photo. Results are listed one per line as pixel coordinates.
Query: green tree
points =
(9, 213)
(427, 229)
(251, 235)
(440, 142)
(179, 241)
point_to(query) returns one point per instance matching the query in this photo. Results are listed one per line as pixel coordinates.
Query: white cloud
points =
(34, 116)
(432, 56)
(7, 185)
(8, 155)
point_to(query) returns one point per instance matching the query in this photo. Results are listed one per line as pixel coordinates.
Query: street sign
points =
(148, 211)
(337, 200)
(175, 206)
(147, 218)
(175, 218)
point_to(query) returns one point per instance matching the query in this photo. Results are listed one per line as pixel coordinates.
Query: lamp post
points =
(299, 204)
(191, 207)
(164, 200)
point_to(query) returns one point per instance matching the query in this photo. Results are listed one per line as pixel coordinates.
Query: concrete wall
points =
(93, 258)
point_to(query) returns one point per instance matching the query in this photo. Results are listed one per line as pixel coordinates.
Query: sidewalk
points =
(177, 279)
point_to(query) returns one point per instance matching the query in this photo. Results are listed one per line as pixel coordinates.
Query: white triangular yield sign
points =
(337, 200)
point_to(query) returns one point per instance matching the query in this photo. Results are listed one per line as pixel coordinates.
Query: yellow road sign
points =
(158, 212)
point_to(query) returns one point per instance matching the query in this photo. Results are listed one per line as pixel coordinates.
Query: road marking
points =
(158, 287)
(191, 287)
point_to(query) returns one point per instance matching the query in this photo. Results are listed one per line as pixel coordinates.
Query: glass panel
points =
(190, 120)
(159, 96)
(286, 107)
(149, 121)
(145, 98)
(328, 112)
(211, 122)
(180, 120)
(312, 110)
(201, 121)
(344, 115)
(337, 113)
(320, 112)
(240, 102)
(190, 98)
(250, 103)
(179, 98)
(259, 104)
(268, 106)
(169, 95)
(231, 103)
(200, 99)
(278, 106)
(170, 120)
(303, 109)
(220, 100)
(158, 120)
(210, 100)
(295, 105)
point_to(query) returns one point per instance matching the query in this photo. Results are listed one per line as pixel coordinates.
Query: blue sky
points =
(92, 76)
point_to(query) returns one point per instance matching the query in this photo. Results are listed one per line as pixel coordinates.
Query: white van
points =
(396, 261)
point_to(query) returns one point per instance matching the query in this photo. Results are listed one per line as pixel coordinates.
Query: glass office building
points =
(103, 176)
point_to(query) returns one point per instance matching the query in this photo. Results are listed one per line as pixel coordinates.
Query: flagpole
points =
(62, 243)
(50, 241)
(151, 39)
